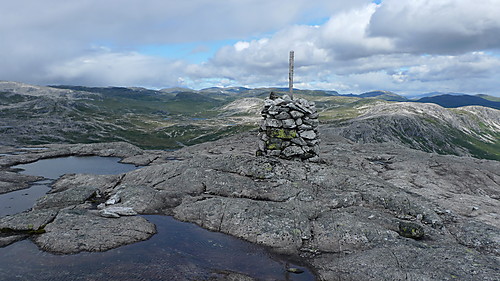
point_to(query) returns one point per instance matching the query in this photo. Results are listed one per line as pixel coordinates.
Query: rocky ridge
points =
(427, 127)
(365, 211)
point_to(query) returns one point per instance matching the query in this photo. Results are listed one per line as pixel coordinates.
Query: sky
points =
(409, 47)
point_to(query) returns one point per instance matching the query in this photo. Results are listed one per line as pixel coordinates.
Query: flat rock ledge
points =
(363, 212)
(84, 230)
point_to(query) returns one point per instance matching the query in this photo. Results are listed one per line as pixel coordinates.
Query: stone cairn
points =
(289, 129)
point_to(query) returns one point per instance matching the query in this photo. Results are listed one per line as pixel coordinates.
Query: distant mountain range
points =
(453, 101)
(448, 100)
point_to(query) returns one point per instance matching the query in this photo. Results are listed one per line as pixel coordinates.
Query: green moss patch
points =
(284, 134)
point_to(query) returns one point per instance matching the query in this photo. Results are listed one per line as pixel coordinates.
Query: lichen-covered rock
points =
(478, 235)
(144, 199)
(26, 222)
(291, 151)
(411, 230)
(341, 214)
(285, 120)
(75, 230)
(69, 197)
(273, 224)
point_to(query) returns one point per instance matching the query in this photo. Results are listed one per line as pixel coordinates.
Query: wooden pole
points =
(290, 74)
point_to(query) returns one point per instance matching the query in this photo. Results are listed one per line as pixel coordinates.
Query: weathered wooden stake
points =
(290, 75)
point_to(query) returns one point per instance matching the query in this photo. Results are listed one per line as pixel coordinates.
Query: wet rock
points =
(277, 225)
(75, 230)
(69, 197)
(7, 240)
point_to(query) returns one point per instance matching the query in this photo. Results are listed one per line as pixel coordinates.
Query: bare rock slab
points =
(66, 198)
(75, 230)
(27, 221)
(273, 224)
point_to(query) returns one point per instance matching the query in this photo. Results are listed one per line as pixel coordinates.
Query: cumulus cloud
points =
(438, 26)
(40, 36)
(404, 46)
(407, 46)
(345, 35)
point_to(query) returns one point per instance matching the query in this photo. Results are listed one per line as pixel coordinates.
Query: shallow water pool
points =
(22, 200)
(179, 251)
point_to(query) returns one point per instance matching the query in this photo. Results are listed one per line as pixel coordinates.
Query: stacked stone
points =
(289, 128)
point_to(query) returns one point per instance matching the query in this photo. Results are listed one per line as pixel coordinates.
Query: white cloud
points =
(406, 46)
(117, 69)
(439, 26)
(345, 35)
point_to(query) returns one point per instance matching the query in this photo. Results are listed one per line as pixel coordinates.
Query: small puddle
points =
(53, 168)
(21, 200)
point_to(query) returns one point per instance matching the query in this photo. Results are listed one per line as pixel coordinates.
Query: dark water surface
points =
(56, 167)
(22, 200)
(179, 251)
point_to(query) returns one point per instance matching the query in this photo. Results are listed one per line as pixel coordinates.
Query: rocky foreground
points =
(364, 212)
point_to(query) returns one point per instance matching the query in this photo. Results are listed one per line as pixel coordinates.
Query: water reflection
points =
(21, 200)
(56, 167)
(180, 251)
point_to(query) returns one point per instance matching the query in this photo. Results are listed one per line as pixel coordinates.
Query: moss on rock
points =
(286, 134)
(411, 230)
